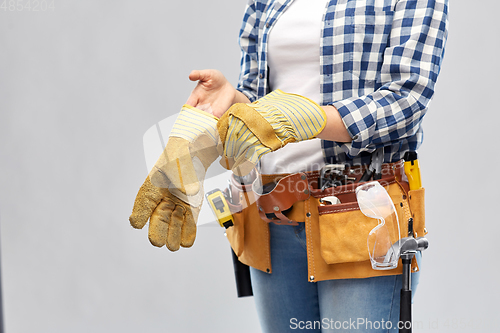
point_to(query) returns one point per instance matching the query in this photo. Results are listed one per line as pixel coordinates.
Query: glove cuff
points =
(192, 122)
(306, 118)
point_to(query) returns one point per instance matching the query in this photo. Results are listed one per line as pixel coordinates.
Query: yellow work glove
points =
(172, 195)
(248, 131)
(172, 222)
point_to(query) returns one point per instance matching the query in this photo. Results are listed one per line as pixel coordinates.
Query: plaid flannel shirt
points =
(379, 60)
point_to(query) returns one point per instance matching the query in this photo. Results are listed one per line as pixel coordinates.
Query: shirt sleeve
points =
(411, 64)
(248, 39)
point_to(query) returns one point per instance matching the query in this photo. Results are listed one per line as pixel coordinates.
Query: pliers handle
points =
(375, 168)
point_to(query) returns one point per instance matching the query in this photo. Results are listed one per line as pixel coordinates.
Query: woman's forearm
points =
(335, 129)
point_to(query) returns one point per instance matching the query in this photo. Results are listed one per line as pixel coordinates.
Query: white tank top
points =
(294, 67)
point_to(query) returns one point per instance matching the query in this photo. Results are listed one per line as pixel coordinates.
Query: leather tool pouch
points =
(343, 228)
(338, 233)
(275, 199)
(242, 206)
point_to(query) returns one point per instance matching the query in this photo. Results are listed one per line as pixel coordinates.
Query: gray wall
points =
(79, 87)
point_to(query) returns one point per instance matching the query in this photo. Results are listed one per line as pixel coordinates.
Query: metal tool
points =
(375, 168)
(329, 200)
(332, 175)
(409, 247)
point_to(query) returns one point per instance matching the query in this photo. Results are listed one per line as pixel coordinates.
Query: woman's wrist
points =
(240, 97)
(335, 129)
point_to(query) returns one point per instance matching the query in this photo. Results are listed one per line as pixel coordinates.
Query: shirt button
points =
(261, 75)
(267, 25)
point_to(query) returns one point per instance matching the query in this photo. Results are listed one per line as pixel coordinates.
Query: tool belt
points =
(336, 230)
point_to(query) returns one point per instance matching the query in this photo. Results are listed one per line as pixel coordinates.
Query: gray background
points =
(81, 84)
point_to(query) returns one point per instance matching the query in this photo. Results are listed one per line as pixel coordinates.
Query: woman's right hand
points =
(213, 93)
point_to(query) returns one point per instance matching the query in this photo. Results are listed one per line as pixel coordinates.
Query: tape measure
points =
(220, 208)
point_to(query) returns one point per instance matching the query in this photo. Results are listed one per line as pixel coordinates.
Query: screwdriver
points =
(412, 170)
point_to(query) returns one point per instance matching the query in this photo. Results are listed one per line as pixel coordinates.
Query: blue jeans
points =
(287, 302)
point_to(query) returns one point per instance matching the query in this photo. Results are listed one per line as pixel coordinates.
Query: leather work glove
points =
(172, 195)
(248, 131)
(172, 222)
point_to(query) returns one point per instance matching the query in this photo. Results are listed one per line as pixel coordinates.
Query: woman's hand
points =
(213, 93)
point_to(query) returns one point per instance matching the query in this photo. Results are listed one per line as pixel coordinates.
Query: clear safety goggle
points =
(383, 240)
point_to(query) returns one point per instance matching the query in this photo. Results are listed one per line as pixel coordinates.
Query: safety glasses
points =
(383, 240)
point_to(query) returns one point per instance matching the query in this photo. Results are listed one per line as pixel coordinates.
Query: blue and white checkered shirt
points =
(379, 59)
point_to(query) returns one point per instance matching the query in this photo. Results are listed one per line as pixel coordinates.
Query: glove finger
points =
(159, 223)
(174, 233)
(146, 201)
(189, 228)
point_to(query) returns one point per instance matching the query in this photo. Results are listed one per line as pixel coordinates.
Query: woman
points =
(372, 65)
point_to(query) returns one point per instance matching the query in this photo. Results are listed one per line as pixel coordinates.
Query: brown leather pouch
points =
(236, 233)
(337, 236)
(343, 228)
(280, 196)
(249, 236)
(417, 208)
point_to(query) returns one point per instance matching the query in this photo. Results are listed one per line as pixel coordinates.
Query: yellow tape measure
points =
(220, 208)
